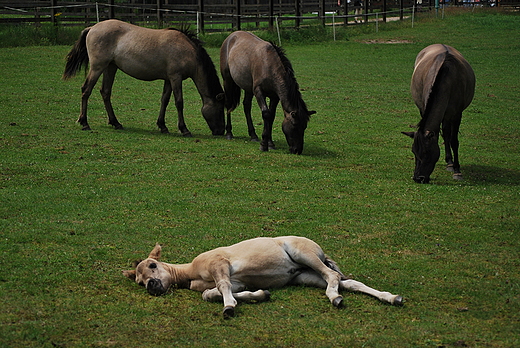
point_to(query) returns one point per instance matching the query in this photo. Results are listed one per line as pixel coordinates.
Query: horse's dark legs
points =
(165, 100)
(106, 92)
(268, 117)
(86, 91)
(450, 132)
(176, 86)
(248, 103)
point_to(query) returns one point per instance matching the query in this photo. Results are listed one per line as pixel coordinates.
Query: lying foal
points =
(261, 263)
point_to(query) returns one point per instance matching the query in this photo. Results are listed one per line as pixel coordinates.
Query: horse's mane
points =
(293, 89)
(203, 57)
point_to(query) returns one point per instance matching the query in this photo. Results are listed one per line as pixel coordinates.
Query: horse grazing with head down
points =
(237, 272)
(443, 84)
(147, 54)
(262, 70)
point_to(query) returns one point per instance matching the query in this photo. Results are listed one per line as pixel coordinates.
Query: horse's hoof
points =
(229, 136)
(86, 128)
(457, 176)
(338, 302)
(398, 301)
(264, 148)
(186, 134)
(228, 312)
(255, 139)
(449, 168)
(119, 126)
(267, 295)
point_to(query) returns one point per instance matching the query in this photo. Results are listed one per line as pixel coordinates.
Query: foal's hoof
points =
(165, 130)
(228, 312)
(86, 128)
(187, 134)
(267, 295)
(338, 302)
(457, 176)
(229, 136)
(398, 301)
(255, 139)
(449, 168)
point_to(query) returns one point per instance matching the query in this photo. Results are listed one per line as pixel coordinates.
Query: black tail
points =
(77, 57)
(334, 266)
(232, 95)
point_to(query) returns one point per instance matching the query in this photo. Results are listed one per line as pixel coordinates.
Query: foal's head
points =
(152, 274)
(293, 126)
(426, 149)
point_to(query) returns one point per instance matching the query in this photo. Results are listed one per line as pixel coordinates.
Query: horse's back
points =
(442, 65)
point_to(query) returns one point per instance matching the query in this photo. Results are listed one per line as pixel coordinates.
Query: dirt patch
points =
(391, 41)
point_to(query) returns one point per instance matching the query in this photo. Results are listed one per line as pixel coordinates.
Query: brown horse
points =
(147, 54)
(443, 84)
(262, 70)
(227, 273)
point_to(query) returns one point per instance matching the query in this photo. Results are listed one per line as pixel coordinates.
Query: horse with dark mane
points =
(443, 85)
(147, 54)
(263, 70)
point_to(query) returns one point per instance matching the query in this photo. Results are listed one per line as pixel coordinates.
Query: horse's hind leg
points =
(106, 92)
(165, 100)
(248, 103)
(450, 132)
(354, 285)
(86, 91)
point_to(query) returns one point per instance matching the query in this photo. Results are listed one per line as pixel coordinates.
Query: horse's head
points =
(293, 127)
(426, 150)
(213, 112)
(152, 274)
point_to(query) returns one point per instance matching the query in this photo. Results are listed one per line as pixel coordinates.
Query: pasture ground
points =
(78, 207)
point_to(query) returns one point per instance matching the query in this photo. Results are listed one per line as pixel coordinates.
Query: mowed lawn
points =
(77, 207)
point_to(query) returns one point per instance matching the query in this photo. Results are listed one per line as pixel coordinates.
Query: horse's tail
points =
(77, 57)
(334, 266)
(232, 95)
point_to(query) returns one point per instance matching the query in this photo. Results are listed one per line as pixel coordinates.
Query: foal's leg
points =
(354, 285)
(213, 295)
(176, 85)
(220, 271)
(106, 92)
(454, 143)
(248, 103)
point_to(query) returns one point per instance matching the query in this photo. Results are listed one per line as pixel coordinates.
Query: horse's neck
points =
(181, 274)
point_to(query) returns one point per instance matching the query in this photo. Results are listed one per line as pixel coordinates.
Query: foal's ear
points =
(312, 112)
(410, 134)
(156, 252)
(130, 274)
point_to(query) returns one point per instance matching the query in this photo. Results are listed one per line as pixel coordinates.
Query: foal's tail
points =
(77, 57)
(334, 266)
(232, 95)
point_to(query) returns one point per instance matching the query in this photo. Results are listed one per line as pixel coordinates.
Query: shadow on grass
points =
(482, 175)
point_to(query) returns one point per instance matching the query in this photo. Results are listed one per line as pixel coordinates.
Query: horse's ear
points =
(312, 112)
(156, 252)
(130, 274)
(221, 97)
(410, 134)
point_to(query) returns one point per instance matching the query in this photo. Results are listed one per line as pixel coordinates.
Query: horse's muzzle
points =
(421, 179)
(155, 287)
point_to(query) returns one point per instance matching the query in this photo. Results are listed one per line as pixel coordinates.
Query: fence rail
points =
(218, 15)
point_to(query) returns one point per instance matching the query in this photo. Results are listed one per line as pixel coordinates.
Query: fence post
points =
(384, 11)
(365, 11)
(159, 14)
(111, 11)
(54, 3)
(401, 9)
(345, 6)
(238, 14)
(297, 11)
(201, 15)
(322, 12)
(271, 14)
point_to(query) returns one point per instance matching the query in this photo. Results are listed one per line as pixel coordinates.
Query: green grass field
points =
(78, 207)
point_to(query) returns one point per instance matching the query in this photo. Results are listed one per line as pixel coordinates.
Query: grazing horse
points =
(262, 70)
(237, 272)
(443, 84)
(147, 54)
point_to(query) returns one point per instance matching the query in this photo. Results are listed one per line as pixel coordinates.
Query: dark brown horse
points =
(443, 84)
(262, 70)
(147, 54)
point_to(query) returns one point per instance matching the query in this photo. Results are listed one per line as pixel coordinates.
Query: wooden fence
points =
(213, 15)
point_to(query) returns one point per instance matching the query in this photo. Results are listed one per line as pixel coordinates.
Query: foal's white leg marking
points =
(354, 285)
(213, 295)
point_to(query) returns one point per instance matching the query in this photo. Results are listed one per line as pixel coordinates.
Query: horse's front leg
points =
(268, 118)
(176, 86)
(248, 103)
(213, 295)
(354, 285)
(106, 93)
(220, 271)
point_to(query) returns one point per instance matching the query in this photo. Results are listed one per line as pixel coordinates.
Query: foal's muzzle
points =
(155, 287)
